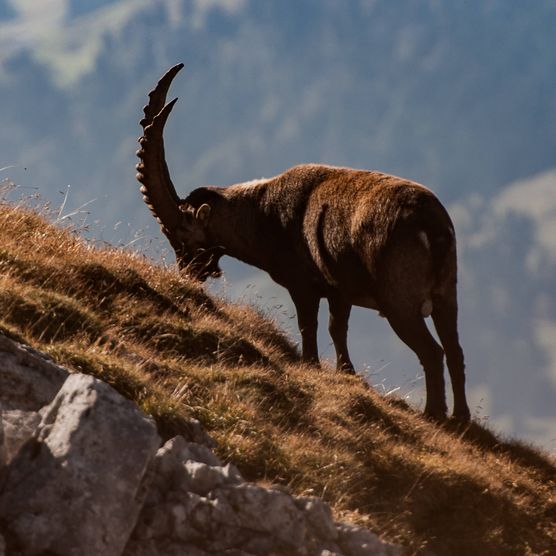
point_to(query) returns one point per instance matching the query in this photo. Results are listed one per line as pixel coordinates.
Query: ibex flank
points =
(354, 237)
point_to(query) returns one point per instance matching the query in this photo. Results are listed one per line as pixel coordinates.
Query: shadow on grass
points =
(516, 450)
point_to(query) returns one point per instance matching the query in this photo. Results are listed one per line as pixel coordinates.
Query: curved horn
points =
(152, 171)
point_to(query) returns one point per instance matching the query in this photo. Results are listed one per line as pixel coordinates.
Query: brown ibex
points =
(355, 237)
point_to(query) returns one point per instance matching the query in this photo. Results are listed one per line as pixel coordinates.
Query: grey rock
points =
(203, 478)
(319, 517)
(191, 451)
(254, 508)
(358, 541)
(18, 426)
(183, 526)
(186, 549)
(3, 454)
(182, 467)
(76, 487)
(29, 379)
(164, 547)
(171, 458)
(265, 545)
(197, 434)
(195, 501)
(2, 546)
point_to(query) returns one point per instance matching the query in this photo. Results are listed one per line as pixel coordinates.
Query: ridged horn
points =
(152, 171)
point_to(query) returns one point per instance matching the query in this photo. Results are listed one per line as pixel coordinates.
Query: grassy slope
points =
(164, 342)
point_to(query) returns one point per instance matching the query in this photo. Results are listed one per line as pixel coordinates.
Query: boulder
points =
(29, 379)
(76, 487)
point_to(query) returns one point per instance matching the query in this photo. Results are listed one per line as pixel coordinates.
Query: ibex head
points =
(184, 222)
(198, 256)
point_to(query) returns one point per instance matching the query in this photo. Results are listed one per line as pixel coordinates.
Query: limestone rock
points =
(76, 487)
(195, 432)
(319, 517)
(3, 454)
(358, 541)
(28, 379)
(18, 427)
(198, 506)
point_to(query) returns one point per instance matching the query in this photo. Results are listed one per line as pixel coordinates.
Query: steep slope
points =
(178, 352)
(458, 95)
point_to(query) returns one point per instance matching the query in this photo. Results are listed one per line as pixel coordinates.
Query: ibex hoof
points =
(462, 416)
(437, 415)
(346, 368)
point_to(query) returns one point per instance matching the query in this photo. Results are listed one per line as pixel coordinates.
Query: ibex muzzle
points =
(354, 237)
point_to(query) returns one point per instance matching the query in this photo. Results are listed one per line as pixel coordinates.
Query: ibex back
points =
(354, 237)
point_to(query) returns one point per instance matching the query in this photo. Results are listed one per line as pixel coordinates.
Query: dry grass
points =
(164, 342)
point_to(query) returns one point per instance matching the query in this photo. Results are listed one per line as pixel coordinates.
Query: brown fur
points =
(355, 237)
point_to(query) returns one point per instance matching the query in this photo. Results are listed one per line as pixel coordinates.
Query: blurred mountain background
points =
(460, 96)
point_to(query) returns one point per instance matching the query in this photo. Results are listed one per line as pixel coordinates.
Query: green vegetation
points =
(162, 341)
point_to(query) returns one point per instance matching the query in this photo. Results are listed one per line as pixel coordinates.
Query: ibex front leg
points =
(307, 307)
(338, 329)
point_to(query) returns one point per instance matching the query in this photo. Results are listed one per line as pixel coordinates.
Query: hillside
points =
(460, 96)
(165, 343)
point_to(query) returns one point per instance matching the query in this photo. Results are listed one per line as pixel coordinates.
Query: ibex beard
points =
(354, 237)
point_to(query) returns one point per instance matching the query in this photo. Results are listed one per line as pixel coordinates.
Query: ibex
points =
(354, 237)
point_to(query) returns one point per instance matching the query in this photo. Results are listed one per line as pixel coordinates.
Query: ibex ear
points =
(203, 212)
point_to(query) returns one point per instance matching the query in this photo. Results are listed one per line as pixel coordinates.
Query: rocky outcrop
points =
(76, 486)
(197, 506)
(83, 473)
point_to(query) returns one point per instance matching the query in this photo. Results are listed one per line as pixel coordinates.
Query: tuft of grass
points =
(164, 342)
(47, 316)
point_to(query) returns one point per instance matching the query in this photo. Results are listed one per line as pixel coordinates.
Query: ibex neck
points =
(239, 224)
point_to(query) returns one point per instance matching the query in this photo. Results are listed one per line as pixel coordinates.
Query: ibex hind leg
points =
(410, 326)
(444, 315)
(404, 299)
